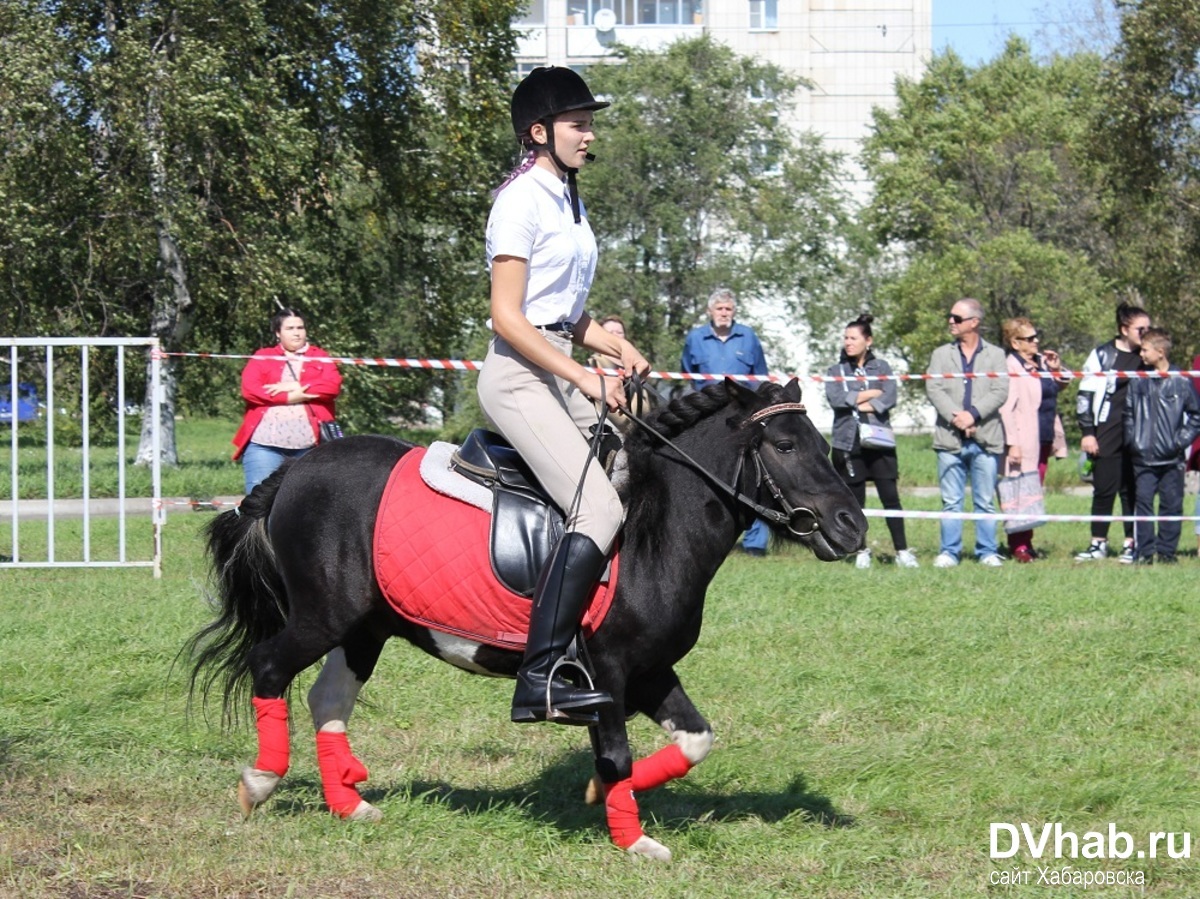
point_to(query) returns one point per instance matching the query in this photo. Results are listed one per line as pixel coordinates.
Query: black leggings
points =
(889, 495)
(1112, 475)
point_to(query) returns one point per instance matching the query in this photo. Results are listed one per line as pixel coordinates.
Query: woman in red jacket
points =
(289, 390)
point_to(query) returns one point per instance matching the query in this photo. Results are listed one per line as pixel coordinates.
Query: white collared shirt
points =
(531, 219)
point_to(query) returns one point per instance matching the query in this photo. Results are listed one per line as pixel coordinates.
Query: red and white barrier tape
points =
(471, 365)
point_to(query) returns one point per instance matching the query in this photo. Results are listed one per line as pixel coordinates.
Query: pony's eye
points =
(785, 446)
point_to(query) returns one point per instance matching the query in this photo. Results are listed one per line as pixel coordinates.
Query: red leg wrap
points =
(654, 771)
(271, 717)
(622, 811)
(340, 771)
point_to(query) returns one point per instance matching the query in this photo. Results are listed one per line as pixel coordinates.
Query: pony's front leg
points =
(691, 738)
(331, 700)
(259, 781)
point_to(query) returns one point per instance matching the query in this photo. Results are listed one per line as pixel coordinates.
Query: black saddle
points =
(526, 523)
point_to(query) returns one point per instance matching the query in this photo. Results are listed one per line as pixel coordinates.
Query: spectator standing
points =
(614, 325)
(1099, 411)
(871, 401)
(1032, 428)
(725, 347)
(289, 389)
(1193, 462)
(968, 435)
(1161, 419)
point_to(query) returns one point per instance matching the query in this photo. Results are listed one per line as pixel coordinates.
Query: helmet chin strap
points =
(572, 187)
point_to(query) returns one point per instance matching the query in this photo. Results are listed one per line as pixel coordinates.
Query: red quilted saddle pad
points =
(431, 561)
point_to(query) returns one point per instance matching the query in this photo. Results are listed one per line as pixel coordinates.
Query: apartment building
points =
(851, 51)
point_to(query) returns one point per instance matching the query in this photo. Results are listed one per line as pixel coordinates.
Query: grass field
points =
(870, 727)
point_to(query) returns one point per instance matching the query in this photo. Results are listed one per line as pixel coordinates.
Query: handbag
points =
(330, 430)
(1022, 498)
(874, 436)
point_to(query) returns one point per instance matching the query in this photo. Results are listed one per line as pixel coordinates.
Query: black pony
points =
(294, 570)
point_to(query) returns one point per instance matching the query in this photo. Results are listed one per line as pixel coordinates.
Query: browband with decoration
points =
(773, 410)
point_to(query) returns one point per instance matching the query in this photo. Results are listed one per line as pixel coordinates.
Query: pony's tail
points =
(250, 599)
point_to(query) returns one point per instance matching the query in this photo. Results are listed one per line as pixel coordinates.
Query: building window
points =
(657, 12)
(536, 14)
(764, 14)
(583, 12)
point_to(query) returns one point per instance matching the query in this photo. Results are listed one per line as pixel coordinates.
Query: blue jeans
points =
(953, 469)
(756, 535)
(258, 461)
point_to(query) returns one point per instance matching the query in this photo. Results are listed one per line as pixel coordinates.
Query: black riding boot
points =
(558, 603)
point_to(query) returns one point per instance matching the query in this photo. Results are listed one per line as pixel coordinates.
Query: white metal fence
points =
(31, 408)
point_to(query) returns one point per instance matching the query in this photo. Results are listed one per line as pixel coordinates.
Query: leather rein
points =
(793, 517)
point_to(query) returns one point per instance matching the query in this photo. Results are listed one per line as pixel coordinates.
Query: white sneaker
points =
(1097, 551)
(863, 560)
(906, 559)
(992, 561)
(945, 560)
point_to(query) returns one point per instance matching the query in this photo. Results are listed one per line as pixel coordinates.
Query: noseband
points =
(794, 518)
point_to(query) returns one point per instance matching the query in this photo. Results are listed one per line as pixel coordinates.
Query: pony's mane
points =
(643, 488)
(687, 410)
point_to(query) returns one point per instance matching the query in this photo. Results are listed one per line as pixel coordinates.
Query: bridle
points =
(793, 517)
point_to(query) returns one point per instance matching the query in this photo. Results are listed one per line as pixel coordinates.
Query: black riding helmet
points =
(545, 92)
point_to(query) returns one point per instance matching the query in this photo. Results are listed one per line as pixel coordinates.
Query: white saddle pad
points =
(437, 473)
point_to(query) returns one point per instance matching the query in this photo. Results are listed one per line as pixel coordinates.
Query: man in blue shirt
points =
(724, 347)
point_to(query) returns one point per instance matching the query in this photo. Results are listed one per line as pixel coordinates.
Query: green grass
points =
(205, 468)
(870, 726)
(918, 465)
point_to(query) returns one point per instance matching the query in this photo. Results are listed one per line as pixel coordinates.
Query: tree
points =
(697, 184)
(1148, 139)
(984, 187)
(180, 167)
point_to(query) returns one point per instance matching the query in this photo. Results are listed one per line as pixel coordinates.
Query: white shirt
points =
(531, 219)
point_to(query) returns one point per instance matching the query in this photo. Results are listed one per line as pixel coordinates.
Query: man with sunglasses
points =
(968, 436)
(1099, 409)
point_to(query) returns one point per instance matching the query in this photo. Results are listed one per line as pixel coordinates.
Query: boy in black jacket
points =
(1162, 418)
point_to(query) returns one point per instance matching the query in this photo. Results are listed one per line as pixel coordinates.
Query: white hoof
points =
(255, 788)
(648, 848)
(366, 813)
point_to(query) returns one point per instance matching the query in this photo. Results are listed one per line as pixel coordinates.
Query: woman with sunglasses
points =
(1032, 429)
(1099, 408)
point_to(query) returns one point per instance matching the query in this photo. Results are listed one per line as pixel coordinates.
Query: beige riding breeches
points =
(546, 419)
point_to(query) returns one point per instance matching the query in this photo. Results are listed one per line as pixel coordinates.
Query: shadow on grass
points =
(555, 797)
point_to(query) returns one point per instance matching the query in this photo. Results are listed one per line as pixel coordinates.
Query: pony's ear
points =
(740, 394)
(791, 391)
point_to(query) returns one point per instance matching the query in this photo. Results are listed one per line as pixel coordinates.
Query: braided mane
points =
(644, 489)
(685, 411)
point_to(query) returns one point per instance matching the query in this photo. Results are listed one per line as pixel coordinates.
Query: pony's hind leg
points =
(258, 781)
(331, 701)
(274, 664)
(662, 698)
